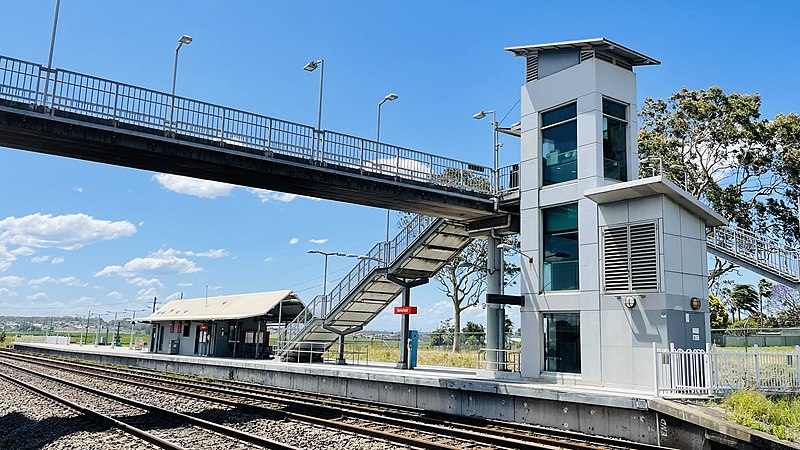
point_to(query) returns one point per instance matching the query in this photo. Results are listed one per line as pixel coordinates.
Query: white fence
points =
(681, 373)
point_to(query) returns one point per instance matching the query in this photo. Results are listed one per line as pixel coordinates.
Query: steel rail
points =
(173, 415)
(380, 411)
(95, 416)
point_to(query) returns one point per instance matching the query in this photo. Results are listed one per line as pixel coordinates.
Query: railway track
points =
(406, 426)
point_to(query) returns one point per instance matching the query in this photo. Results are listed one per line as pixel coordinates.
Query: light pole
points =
(502, 316)
(86, 332)
(310, 67)
(325, 274)
(182, 40)
(50, 55)
(685, 175)
(497, 145)
(133, 321)
(388, 98)
(116, 336)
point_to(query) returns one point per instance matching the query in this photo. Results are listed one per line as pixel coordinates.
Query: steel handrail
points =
(382, 255)
(121, 103)
(766, 253)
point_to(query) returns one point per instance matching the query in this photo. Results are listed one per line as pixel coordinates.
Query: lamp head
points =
(479, 115)
(505, 247)
(390, 97)
(311, 66)
(185, 39)
(314, 251)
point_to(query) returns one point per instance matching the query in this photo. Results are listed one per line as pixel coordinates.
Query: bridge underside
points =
(100, 140)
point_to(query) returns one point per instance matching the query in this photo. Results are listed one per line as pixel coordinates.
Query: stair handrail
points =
(383, 254)
(767, 253)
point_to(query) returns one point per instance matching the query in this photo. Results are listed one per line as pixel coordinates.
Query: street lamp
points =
(310, 67)
(388, 98)
(325, 274)
(116, 336)
(50, 55)
(516, 250)
(497, 145)
(182, 40)
(133, 321)
(654, 161)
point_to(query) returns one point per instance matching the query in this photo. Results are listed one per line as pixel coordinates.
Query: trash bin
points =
(174, 346)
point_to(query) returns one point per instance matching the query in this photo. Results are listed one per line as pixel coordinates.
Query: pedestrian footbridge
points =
(763, 256)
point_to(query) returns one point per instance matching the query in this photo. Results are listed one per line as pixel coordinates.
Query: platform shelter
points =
(232, 326)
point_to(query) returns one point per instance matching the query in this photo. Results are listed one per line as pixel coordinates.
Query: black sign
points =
(498, 299)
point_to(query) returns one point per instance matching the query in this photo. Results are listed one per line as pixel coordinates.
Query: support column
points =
(493, 286)
(403, 363)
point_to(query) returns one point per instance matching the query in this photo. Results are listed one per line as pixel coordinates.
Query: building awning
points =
(658, 185)
(602, 44)
(230, 307)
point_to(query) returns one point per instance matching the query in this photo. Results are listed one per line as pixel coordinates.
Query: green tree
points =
(785, 304)
(2, 336)
(744, 297)
(443, 334)
(719, 315)
(741, 165)
(474, 334)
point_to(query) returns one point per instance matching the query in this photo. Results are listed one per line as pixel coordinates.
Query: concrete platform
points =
(626, 414)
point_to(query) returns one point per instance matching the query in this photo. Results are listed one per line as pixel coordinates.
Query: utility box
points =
(174, 346)
(413, 336)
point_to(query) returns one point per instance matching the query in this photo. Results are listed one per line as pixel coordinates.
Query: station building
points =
(233, 326)
(614, 264)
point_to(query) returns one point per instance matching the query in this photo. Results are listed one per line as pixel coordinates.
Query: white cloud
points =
(141, 282)
(213, 253)
(78, 189)
(115, 295)
(67, 232)
(57, 260)
(67, 281)
(293, 241)
(267, 196)
(6, 258)
(40, 259)
(193, 186)
(11, 281)
(7, 292)
(403, 166)
(318, 241)
(23, 251)
(146, 294)
(38, 296)
(269, 259)
(154, 264)
(185, 284)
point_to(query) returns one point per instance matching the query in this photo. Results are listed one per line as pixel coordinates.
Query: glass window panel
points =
(560, 262)
(560, 114)
(562, 343)
(615, 164)
(615, 109)
(560, 153)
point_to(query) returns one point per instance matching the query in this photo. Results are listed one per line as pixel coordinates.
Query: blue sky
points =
(76, 235)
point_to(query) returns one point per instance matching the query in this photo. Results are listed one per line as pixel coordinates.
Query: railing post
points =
(222, 128)
(797, 365)
(361, 157)
(53, 97)
(116, 97)
(655, 369)
(758, 366)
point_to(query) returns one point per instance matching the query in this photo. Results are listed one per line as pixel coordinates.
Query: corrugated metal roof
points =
(603, 44)
(224, 307)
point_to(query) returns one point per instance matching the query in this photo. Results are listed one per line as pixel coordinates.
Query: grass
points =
(382, 352)
(778, 416)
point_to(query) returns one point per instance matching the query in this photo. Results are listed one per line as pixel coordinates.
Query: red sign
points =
(405, 309)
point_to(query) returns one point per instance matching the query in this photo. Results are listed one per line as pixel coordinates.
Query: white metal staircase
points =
(766, 257)
(422, 248)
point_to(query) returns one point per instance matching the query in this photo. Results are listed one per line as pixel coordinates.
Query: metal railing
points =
(150, 110)
(509, 362)
(712, 371)
(381, 255)
(765, 253)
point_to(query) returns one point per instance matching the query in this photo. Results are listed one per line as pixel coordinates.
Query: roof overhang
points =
(658, 185)
(227, 307)
(602, 44)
